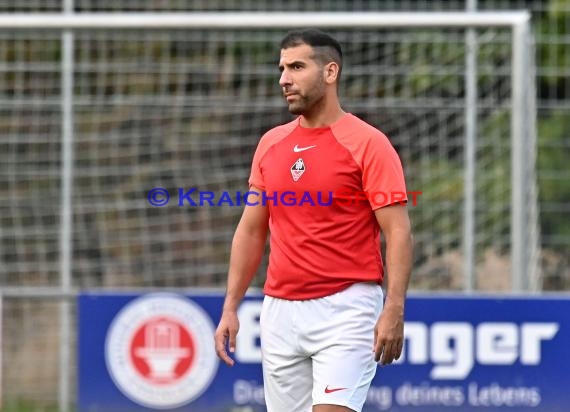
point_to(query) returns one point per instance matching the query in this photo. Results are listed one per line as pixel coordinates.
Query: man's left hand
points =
(389, 335)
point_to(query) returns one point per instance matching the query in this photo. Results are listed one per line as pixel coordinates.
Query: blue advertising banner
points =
(155, 351)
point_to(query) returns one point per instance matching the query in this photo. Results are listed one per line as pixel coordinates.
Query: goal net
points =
(184, 109)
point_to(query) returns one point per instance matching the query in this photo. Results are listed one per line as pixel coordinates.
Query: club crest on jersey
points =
(298, 169)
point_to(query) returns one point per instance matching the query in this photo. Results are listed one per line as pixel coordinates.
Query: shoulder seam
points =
(347, 150)
(287, 129)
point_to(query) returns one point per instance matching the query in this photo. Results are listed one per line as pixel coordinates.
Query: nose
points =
(285, 79)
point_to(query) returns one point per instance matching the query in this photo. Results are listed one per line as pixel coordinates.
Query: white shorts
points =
(319, 351)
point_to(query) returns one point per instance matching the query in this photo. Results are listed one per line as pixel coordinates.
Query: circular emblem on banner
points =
(160, 351)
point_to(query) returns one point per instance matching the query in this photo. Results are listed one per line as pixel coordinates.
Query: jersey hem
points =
(329, 292)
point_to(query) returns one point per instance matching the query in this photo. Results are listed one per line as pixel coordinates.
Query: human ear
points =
(331, 72)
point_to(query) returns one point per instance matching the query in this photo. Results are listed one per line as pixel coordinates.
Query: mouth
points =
(289, 96)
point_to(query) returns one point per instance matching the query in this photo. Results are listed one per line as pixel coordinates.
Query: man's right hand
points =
(226, 336)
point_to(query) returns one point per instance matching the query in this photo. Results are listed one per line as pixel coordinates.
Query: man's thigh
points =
(288, 385)
(342, 375)
(319, 352)
(287, 373)
(331, 408)
(343, 359)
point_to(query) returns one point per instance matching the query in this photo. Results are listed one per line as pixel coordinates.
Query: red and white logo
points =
(298, 169)
(159, 351)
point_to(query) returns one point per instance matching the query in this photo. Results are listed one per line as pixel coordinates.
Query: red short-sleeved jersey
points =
(322, 240)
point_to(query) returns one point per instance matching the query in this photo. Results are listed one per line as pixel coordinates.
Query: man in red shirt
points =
(324, 322)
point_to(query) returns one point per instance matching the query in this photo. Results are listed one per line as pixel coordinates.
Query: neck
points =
(323, 114)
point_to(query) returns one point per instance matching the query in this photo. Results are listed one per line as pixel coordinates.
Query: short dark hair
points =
(326, 47)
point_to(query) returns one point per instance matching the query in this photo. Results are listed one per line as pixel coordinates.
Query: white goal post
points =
(523, 208)
(248, 20)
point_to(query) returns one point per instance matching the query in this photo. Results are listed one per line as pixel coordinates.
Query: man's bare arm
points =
(248, 246)
(389, 334)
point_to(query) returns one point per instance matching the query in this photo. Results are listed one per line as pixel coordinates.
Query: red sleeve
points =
(382, 173)
(256, 176)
